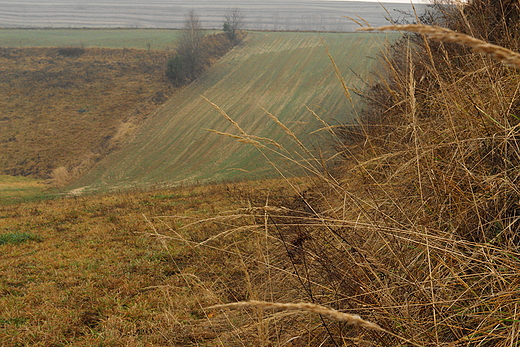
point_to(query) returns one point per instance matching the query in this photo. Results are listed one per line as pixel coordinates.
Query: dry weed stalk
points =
(436, 33)
(350, 319)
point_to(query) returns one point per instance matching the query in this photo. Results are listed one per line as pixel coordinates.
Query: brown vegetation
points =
(66, 107)
(416, 228)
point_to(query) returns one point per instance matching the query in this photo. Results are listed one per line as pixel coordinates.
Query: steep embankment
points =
(282, 73)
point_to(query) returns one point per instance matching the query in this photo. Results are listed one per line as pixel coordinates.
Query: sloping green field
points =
(282, 73)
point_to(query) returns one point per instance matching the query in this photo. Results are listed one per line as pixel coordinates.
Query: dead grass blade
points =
(350, 319)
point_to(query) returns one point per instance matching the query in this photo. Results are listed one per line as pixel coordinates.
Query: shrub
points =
(71, 52)
(190, 59)
(233, 23)
(182, 70)
(176, 70)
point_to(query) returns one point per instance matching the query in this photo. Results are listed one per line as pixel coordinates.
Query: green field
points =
(112, 38)
(16, 189)
(282, 73)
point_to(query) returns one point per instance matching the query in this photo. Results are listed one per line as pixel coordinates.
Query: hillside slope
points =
(68, 107)
(278, 72)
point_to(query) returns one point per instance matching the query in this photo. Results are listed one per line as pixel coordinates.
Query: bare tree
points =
(190, 58)
(233, 23)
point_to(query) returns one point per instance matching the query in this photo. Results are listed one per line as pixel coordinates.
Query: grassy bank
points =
(14, 189)
(417, 229)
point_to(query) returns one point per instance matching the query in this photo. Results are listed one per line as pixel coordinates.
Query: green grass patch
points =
(17, 321)
(18, 237)
(14, 189)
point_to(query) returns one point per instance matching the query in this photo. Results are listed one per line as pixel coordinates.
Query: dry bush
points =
(416, 227)
(442, 128)
(430, 176)
(60, 176)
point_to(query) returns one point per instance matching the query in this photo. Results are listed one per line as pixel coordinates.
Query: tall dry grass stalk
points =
(350, 319)
(503, 54)
(60, 176)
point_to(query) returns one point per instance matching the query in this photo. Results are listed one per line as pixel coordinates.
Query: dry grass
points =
(418, 229)
(440, 34)
(350, 319)
(15, 189)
